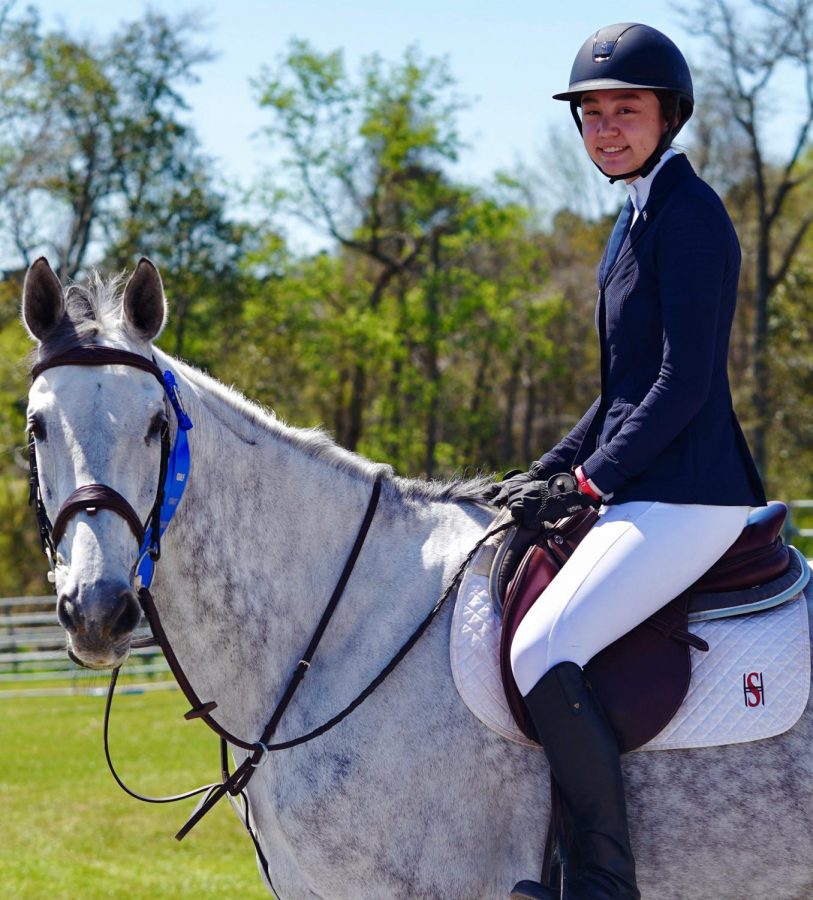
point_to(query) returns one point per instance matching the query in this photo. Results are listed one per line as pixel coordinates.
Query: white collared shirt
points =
(638, 189)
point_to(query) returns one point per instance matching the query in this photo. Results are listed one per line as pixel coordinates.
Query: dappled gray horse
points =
(410, 796)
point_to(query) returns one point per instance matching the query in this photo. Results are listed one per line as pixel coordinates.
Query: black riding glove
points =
(546, 501)
(511, 486)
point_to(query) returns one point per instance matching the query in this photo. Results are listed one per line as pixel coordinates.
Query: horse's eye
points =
(36, 427)
(158, 424)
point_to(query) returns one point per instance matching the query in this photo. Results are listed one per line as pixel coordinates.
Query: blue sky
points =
(508, 55)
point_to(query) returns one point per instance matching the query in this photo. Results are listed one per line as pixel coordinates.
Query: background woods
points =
(444, 325)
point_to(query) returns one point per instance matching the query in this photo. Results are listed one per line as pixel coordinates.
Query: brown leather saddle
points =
(642, 678)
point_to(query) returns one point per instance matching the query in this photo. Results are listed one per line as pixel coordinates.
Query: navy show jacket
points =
(663, 427)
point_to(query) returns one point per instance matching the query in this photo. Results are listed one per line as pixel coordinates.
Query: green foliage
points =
(184, 228)
(97, 133)
(442, 290)
(449, 326)
(788, 439)
(23, 565)
(791, 435)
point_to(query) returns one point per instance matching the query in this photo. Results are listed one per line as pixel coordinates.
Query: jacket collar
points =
(674, 170)
(639, 188)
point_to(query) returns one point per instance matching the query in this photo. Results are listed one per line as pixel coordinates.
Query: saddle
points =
(642, 678)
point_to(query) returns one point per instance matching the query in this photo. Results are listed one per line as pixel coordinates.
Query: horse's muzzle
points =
(100, 620)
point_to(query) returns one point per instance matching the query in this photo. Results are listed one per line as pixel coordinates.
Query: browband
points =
(96, 355)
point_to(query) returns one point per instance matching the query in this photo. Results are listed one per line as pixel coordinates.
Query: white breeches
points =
(635, 559)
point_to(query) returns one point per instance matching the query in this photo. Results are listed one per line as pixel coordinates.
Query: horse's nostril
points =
(96, 614)
(67, 613)
(128, 614)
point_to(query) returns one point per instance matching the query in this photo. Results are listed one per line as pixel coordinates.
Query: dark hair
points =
(672, 107)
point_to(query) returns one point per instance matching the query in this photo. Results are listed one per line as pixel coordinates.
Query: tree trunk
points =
(529, 450)
(507, 448)
(355, 412)
(474, 442)
(432, 365)
(394, 394)
(761, 403)
(358, 396)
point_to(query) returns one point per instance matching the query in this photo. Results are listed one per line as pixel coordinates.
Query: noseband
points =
(92, 497)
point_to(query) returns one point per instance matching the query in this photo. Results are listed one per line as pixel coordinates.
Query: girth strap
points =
(91, 497)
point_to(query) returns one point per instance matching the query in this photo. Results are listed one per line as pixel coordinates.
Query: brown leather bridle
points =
(92, 497)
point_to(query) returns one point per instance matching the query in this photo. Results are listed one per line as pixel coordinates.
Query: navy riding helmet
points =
(630, 55)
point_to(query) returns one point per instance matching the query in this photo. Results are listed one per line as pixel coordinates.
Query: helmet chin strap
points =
(649, 164)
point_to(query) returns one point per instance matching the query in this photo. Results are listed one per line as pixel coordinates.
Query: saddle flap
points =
(568, 533)
(641, 679)
(561, 540)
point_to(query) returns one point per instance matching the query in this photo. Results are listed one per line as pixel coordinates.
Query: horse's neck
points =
(258, 544)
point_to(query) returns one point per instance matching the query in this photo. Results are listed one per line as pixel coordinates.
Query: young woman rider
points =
(660, 449)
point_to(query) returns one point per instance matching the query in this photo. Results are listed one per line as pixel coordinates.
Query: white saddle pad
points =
(753, 682)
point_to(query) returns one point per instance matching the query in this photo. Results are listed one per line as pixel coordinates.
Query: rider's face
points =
(621, 128)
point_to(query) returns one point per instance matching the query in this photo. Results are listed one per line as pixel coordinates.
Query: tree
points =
(365, 158)
(100, 124)
(750, 48)
(97, 165)
(562, 177)
(183, 225)
(496, 314)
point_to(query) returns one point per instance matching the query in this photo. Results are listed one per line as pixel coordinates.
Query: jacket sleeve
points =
(694, 259)
(560, 458)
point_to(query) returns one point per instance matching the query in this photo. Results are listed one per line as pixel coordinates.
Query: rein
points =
(235, 783)
(174, 472)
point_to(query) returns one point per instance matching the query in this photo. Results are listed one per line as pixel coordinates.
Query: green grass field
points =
(68, 831)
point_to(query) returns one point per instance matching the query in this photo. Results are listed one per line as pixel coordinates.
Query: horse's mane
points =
(94, 315)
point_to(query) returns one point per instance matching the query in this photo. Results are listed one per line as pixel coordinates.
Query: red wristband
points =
(584, 485)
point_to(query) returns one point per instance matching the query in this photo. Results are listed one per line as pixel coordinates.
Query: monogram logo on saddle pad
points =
(753, 687)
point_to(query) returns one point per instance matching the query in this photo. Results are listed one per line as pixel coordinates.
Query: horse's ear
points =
(43, 300)
(144, 304)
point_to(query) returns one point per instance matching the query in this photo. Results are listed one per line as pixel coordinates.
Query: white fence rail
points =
(792, 530)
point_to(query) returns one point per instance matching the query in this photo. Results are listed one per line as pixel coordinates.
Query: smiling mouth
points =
(612, 151)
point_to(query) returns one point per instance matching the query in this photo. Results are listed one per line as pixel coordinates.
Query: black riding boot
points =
(583, 755)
